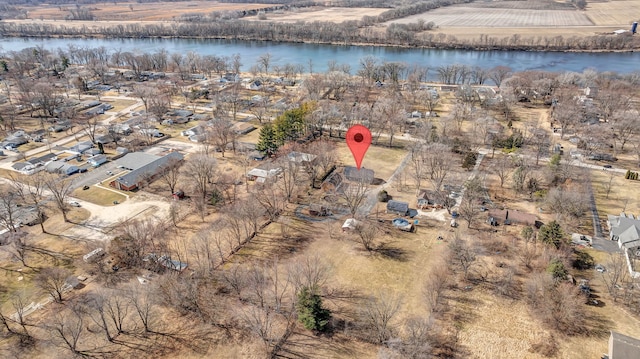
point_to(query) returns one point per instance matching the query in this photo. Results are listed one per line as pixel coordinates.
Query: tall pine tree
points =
(310, 311)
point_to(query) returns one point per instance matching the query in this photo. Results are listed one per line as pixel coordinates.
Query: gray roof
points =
(42, 159)
(626, 229)
(134, 160)
(623, 347)
(397, 206)
(151, 168)
(363, 174)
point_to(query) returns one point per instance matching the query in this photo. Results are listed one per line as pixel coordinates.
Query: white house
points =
(97, 160)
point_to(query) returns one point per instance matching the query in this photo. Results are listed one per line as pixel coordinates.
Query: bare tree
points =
(435, 284)
(9, 209)
(60, 188)
(222, 134)
(53, 280)
(290, 180)
(616, 275)
(377, 315)
(201, 169)
(567, 112)
(143, 303)
(170, 173)
(502, 167)
(367, 232)
(355, 195)
(309, 271)
(31, 190)
(463, 255)
(67, 329)
(270, 197)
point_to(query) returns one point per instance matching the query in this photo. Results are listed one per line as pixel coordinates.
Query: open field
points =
(333, 14)
(461, 16)
(613, 13)
(141, 12)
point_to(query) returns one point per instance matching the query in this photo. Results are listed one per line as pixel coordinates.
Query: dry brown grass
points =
(141, 11)
(623, 196)
(332, 14)
(613, 13)
(100, 196)
(382, 160)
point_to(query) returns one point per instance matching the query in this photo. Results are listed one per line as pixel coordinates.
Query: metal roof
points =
(134, 160)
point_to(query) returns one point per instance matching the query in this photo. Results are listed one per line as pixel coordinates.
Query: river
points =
(321, 55)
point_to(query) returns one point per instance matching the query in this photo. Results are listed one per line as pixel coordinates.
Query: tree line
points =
(348, 32)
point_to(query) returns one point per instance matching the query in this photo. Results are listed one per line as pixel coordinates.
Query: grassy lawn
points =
(623, 195)
(99, 196)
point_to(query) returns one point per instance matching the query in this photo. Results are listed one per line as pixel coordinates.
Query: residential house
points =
(301, 157)
(81, 147)
(92, 152)
(428, 199)
(97, 160)
(264, 173)
(242, 128)
(144, 169)
(255, 85)
(398, 207)
(623, 347)
(61, 167)
(625, 229)
(364, 175)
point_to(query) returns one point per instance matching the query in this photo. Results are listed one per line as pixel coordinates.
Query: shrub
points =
(383, 196)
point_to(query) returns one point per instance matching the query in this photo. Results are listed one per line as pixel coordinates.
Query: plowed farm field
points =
(463, 16)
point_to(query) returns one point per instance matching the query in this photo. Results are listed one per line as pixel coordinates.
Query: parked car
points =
(74, 204)
(600, 268)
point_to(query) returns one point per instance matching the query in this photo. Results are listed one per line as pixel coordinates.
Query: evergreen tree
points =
(310, 311)
(267, 142)
(551, 233)
(557, 270)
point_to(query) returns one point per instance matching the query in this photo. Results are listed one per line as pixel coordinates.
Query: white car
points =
(74, 204)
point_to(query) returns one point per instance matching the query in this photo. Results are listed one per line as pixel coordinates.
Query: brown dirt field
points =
(461, 16)
(334, 14)
(141, 12)
(473, 33)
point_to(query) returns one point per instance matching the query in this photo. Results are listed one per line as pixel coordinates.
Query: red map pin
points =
(358, 140)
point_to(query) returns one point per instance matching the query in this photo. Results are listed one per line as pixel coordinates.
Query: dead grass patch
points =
(99, 196)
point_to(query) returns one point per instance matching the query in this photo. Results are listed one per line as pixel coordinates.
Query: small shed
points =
(94, 255)
(351, 224)
(398, 207)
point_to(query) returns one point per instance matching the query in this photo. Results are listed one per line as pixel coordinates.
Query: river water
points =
(321, 55)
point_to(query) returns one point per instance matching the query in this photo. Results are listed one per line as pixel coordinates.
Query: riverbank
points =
(315, 34)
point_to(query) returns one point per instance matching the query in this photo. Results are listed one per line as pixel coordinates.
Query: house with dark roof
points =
(364, 175)
(144, 168)
(398, 207)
